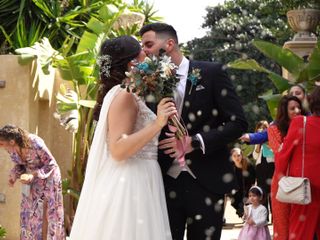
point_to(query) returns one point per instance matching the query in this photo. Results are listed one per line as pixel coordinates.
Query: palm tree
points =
(28, 21)
(79, 68)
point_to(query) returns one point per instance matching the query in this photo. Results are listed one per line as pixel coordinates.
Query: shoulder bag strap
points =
(304, 142)
(303, 147)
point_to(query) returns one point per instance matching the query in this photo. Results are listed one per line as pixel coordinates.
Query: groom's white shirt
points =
(182, 72)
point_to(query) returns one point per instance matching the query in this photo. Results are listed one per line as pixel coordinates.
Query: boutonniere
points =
(194, 77)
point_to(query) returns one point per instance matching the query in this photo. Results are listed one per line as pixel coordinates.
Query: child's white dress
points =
(260, 230)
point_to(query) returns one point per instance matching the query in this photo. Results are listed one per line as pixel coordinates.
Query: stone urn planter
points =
(304, 22)
(128, 19)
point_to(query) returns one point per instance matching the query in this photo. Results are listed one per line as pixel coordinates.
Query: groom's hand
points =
(174, 147)
(169, 145)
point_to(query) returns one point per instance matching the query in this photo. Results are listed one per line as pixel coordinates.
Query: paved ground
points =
(233, 224)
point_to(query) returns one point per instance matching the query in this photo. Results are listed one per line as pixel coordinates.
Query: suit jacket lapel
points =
(152, 106)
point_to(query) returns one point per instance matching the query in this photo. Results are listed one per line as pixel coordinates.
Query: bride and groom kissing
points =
(135, 187)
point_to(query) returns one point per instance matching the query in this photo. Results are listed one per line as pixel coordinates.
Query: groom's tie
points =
(179, 94)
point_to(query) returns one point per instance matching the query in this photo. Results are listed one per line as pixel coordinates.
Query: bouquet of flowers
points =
(154, 79)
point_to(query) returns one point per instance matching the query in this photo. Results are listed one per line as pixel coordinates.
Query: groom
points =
(214, 117)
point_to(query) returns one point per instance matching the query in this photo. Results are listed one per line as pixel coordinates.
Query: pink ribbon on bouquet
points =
(182, 146)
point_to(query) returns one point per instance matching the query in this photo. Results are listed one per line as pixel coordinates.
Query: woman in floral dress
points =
(42, 203)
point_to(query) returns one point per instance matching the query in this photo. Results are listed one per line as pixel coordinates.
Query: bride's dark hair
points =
(115, 55)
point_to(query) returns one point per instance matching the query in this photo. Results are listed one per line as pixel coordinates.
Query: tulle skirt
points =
(249, 232)
(127, 203)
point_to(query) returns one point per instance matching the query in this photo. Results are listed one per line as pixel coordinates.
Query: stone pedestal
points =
(304, 22)
(302, 49)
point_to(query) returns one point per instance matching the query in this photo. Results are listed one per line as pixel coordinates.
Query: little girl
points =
(255, 227)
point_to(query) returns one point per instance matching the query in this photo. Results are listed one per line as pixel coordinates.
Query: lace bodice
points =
(144, 117)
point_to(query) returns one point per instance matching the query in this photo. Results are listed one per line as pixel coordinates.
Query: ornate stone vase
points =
(304, 22)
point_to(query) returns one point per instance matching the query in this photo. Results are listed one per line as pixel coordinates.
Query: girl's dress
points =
(122, 200)
(260, 230)
(45, 187)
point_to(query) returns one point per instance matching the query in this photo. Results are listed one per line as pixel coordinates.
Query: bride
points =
(123, 196)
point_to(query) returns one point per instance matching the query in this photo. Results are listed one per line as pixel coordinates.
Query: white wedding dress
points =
(122, 200)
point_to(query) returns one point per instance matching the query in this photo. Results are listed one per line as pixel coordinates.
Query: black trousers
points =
(192, 206)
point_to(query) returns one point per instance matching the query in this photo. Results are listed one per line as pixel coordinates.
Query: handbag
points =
(295, 190)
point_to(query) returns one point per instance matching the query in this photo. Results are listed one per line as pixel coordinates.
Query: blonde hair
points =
(244, 161)
(261, 124)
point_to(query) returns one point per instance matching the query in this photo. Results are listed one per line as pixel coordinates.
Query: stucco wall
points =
(22, 104)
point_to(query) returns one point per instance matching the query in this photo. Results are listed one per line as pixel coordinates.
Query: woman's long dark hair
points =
(11, 132)
(282, 119)
(314, 101)
(121, 51)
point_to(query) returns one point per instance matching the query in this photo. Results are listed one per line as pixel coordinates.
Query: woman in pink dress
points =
(41, 214)
(255, 227)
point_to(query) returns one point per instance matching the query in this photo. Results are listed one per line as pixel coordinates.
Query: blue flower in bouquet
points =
(194, 77)
(154, 78)
(143, 66)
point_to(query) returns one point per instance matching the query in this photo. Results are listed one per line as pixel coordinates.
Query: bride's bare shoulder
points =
(124, 101)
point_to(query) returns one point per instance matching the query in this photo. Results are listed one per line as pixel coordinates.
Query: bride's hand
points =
(166, 108)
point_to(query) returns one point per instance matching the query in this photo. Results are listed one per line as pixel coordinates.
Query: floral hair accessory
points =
(104, 62)
(194, 77)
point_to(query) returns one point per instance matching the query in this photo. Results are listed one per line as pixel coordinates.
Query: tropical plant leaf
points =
(313, 67)
(43, 51)
(280, 82)
(272, 102)
(87, 42)
(250, 64)
(66, 107)
(247, 64)
(95, 25)
(47, 9)
(67, 100)
(81, 66)
(247, 149)
(65, 185)
(72, 192)
(64, 68)
(67, 46)
(3, 232)
(284, 57)
(109, 11)
(87, 103)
